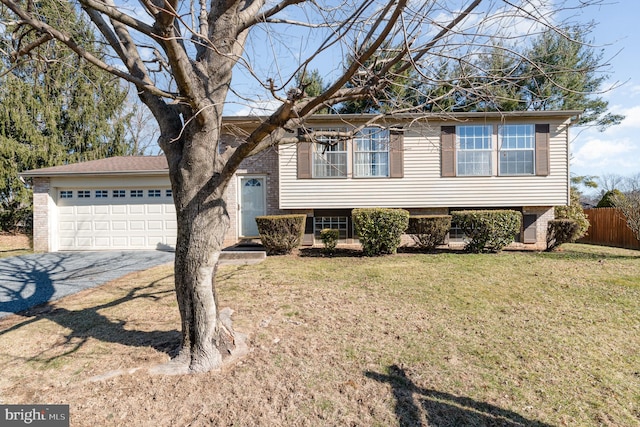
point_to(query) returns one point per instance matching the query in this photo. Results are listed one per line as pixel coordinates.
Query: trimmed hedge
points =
(429, 231)
(329, 237)
(281, 234)
(489, 231)
(561, 231)
(380, 229)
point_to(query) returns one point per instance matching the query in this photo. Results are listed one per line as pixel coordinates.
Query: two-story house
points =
(427, 164)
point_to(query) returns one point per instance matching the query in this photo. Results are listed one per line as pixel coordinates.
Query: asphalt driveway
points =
(30, 280)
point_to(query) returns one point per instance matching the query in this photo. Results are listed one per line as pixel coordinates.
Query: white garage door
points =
(114, 218)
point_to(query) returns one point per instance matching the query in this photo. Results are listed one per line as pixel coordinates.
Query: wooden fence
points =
(609, 228)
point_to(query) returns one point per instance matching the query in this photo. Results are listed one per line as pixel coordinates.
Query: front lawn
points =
(449, 339)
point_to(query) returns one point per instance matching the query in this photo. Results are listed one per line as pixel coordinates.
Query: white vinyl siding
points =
(422, 185)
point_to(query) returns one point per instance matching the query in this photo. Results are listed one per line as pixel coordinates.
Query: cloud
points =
(258, 108)
(632, 117)
(597, 154)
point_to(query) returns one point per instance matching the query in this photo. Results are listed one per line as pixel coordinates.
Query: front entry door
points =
(252, 204)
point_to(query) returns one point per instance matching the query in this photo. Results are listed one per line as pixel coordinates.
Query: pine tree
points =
(54, 112)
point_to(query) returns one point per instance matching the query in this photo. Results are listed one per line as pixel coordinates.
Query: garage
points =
(118, 203)
(115, 218)
(126, 203)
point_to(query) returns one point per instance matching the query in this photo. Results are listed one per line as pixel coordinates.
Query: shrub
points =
(280, 234)
(379, 229)
(561, 231)
(575, 212)
(428, 231)
(329, 237)
(607, 199)
(489, 231)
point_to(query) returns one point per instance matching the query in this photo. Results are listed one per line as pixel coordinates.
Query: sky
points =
(615, 151)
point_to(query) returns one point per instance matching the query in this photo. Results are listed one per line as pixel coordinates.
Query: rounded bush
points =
(281, 234)
(429, 231)
(488, 231)
(329, 237)
(380, 229)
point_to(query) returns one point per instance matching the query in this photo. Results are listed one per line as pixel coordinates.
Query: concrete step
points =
(243, 256)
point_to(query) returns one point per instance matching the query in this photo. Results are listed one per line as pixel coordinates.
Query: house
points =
(429, 164)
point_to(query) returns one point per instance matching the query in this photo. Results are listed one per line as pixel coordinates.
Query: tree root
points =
(230, 346)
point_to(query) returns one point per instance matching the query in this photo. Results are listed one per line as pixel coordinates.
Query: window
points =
(136, 193)
(154, 193)
(329, 156)
(118, 194)
(474, 150)
(66, 194)
(102, 194)
(517, 149)
(371, 152)
(84, 194)
(339, 223)
(168, 193)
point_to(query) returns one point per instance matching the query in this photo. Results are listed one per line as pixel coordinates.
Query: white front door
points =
(252, 204)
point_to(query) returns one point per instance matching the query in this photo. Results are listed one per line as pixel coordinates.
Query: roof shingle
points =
(119, 165)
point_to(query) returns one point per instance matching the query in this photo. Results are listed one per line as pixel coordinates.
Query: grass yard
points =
(449, 339)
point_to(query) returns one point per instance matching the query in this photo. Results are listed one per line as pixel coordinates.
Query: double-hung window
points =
(371, 152)
(474, 150)
(517, 149)
(329, 155)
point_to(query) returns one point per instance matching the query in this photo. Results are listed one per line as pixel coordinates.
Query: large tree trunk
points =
(202, 220)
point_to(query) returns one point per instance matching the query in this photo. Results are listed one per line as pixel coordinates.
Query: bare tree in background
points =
(141, 128)
(629, 206)
(610, 182)
(183, 56)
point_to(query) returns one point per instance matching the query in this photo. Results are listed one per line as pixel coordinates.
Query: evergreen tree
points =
(53, 112)
(396, 95)
(557, 71)
(562, 74)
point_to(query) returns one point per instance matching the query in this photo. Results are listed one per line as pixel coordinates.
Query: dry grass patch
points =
(435, 340)
(14, 244)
